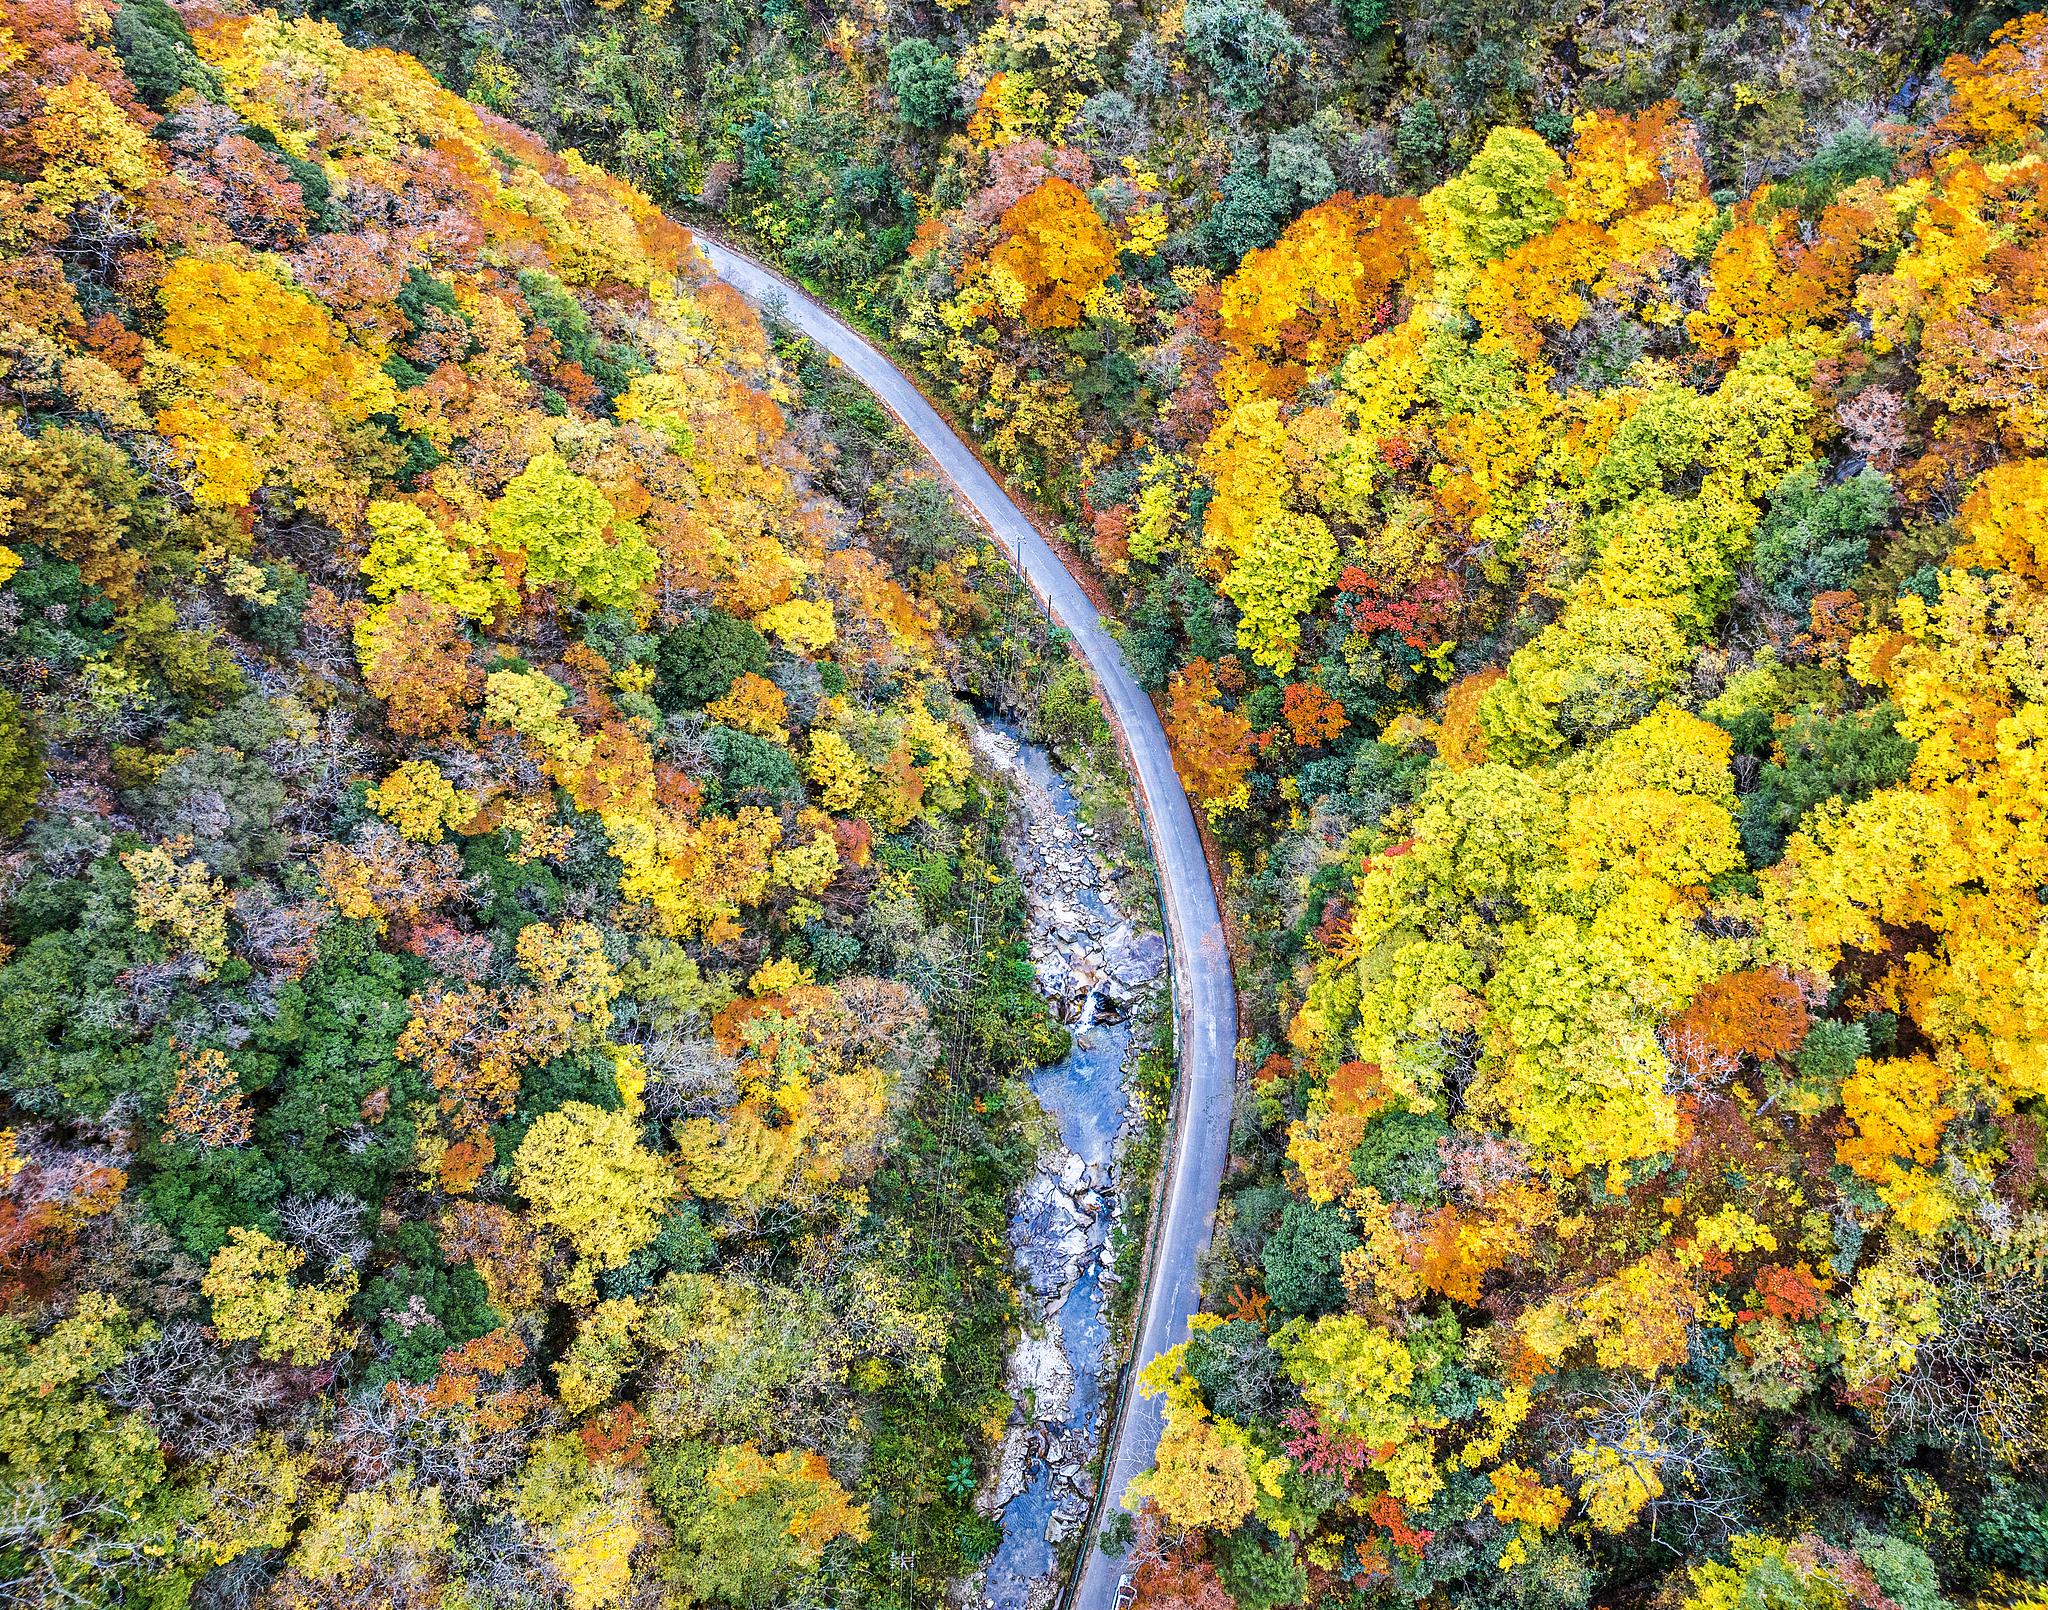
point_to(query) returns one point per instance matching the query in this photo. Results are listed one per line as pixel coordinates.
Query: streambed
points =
(1094, 967)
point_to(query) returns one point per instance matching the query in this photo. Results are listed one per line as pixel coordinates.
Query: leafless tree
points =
(1982, 1380)
(454, 1448)
(1696, 1066)
(201, 1399)
(1701, 1504)
(329, 1226)
(1875, 422)
(510, 1565)
(688, 1078)
(937, 965)
(686, 742)
(238, 1585)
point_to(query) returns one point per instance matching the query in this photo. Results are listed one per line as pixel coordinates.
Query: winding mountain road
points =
(1205, 1001)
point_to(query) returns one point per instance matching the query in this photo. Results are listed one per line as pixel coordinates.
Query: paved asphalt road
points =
(1201, 963)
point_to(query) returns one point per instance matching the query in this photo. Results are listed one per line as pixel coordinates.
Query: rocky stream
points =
(1094, 965)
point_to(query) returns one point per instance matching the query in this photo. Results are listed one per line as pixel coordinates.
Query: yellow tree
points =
(585, 1174)
(570, 533)
(418, 801)
(207, 1106)
(1289, 563)
(255, 1299)
(181, 901)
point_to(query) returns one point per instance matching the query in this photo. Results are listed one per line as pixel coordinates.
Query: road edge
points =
(1180, 949)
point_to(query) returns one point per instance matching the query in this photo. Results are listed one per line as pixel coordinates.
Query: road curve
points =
(1206, 1003)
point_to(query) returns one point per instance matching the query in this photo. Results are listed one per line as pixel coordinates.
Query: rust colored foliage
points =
(253, 193)
(1167, 1568)
(1111, 540)
(617, 1436)
(1358, 1087)
(1759, 1013)
(1832, 620)
(1313, 717)
(449, 949)
(1452, 1262)
(119, 348)
(1252, 1305)
(1388, 1515)
(1788, 1293)
(35, 1250)
(1335, 926)
(418, 662)
(463, 1164)
(1460, 742)
(1317, 1452)
(42, 1207)
(1212, 745)
(677, 792)
(1422, 614)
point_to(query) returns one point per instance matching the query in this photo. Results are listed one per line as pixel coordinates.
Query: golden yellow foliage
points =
(418, 801)
(255, 1300)
(585, 1174)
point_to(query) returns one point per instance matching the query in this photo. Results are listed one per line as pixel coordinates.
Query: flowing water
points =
(1092, 968)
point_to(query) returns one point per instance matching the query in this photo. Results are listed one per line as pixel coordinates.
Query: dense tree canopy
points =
(472, 799)
(507, 982)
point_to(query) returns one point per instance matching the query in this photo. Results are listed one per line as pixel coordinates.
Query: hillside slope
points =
(511, 997)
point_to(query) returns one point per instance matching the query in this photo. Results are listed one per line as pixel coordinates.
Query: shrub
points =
(754, 766)
(1399, 1157)
(1855, 153)
(275, 625)
(157, 53)
(1068, 713)
(1363, 18)
(1248, 218)
(1817, 537)
(1848, 757)
(1245, 47)
(1298, 171)
(2012, 1528)
(1902, 1569)
(1419, 138)
(1259, 1577)
(1238, 1373)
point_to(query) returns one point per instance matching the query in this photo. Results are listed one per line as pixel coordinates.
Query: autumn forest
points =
(517, 1014)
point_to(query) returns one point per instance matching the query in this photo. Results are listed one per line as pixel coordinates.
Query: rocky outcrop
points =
(1057, 1225)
